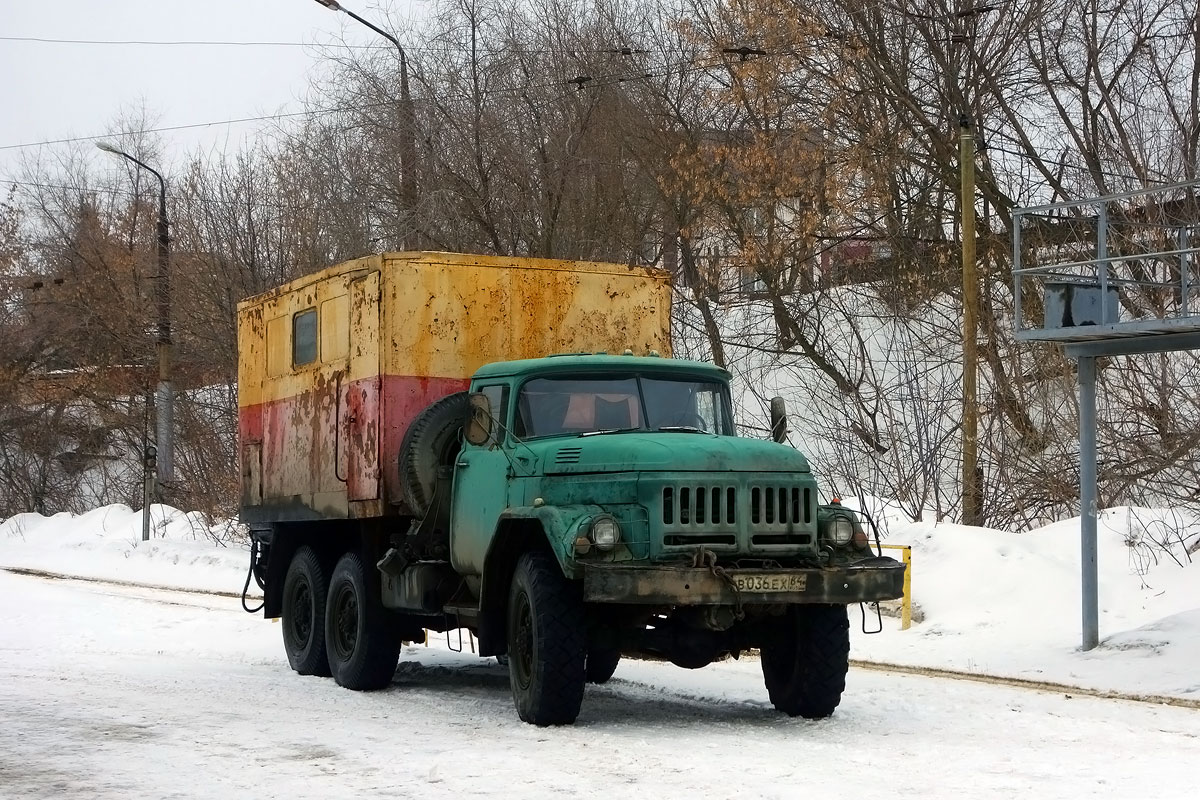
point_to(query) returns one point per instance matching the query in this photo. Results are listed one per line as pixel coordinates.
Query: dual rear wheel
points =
(334, 625)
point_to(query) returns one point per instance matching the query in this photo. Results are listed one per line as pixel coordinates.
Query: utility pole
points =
(971, 489)
(972, 477)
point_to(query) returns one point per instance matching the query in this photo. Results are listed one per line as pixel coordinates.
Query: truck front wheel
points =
(805, 663)
(304, 591)
(601, 664)
(546, 642)
(363, 647)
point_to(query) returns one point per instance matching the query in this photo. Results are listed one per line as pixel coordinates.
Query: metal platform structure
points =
(1115, 275)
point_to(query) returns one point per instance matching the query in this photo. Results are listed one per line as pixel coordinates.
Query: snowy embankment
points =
(990, 602)
(184, 551)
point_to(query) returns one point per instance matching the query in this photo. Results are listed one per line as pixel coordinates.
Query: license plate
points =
(771, 582)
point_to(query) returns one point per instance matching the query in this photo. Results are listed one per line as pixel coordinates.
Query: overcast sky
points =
(59, 90)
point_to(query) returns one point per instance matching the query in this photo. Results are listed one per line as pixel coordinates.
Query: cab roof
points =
(572, 363)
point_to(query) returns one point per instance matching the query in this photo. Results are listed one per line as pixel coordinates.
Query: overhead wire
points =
(699, 63)
(685, 66)
(316, 45)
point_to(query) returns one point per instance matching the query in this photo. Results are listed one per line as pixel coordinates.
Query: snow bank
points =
(1010, 604)
(992, 601)
(184, 551)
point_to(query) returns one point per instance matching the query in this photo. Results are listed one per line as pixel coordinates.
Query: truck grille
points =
(686, 505)
(782, 504)
(772, 517)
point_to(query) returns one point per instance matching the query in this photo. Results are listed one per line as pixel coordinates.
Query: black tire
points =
(546, 642)
(601, 664)
(804, 665)
(362, 644)
(304, 591)
(431, 441)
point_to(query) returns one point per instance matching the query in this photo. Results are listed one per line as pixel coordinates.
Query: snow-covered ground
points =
(117, 692)
(991, 602)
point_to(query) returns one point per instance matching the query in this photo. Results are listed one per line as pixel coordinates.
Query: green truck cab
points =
(589, 507)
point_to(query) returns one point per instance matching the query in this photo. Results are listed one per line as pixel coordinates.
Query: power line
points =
(191, 198)
(688, 65)
(185, 43)
(614, 50)
(164, 129)
(691, 65)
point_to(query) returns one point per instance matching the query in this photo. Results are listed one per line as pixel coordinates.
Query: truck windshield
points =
(558, 406)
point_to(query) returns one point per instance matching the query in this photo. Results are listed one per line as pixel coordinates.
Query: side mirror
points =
(479, 422)
(779, 426)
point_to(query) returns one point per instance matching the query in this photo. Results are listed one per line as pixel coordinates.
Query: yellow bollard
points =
(906, 603)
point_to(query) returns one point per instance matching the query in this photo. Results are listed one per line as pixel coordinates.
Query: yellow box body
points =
(333, 367)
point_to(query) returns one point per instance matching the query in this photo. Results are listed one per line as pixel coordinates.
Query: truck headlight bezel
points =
(841, 530)
(604, 532)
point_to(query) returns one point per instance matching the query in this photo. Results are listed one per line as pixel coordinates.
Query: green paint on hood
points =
(658, 451)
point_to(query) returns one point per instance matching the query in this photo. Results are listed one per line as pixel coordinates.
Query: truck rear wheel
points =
(431, 441)
(805, 664)
(304, 591)
(546, 642)
(362, 645)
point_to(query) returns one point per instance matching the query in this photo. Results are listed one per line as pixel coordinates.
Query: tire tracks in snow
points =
(875, 666)
(1028, 683)
(159, 587)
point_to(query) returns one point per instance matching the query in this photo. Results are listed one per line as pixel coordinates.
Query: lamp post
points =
(164, 400)
(408, 137)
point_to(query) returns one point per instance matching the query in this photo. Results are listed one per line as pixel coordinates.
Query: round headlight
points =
(604, 532)
(842, 531)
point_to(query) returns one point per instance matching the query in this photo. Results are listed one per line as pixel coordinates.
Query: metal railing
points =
(1136, 254)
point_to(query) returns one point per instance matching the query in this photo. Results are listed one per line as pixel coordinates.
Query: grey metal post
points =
(1016, 260)
(164, 399)
(1087, 499)
(1184, 241)
(147, 490)
(1102, 262)
(408, 137)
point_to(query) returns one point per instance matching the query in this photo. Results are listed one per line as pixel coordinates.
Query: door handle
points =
(462, 463)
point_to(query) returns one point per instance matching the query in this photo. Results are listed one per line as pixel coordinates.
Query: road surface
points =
(111, 692)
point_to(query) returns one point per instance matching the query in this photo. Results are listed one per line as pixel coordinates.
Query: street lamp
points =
(408, 138)
(164, 397)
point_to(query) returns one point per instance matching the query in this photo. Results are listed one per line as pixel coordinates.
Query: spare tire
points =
(431, 441)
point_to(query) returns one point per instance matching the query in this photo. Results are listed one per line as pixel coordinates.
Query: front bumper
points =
(876, 578)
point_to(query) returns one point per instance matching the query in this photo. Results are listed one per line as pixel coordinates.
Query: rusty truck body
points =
(432, 441)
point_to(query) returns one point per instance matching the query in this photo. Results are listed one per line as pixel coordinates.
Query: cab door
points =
(482, 477)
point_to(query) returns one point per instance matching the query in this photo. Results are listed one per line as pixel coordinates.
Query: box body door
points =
(361, 406)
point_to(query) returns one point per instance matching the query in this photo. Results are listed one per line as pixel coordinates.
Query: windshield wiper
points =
(608, 430)
(681, 429)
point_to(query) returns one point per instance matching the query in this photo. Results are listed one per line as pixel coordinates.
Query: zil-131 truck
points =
(433, 441)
